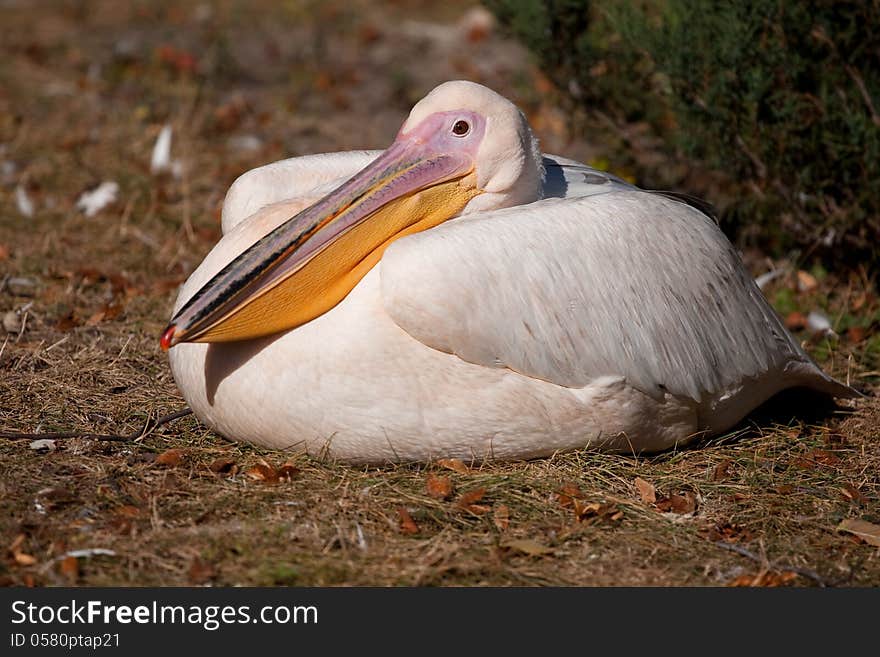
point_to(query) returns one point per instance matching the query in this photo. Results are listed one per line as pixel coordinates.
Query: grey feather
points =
(564, 178)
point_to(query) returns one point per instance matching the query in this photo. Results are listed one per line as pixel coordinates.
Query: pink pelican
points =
(462, 295)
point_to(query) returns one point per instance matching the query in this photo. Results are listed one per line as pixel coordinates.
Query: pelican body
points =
(462, 295)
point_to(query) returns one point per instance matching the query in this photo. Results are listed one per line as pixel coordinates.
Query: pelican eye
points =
(461, 128)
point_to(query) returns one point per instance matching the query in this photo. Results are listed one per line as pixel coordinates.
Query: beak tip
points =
(167, 340)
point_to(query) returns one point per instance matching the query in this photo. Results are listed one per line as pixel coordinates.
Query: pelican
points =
(461, 295)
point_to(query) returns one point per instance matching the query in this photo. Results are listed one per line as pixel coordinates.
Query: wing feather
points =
(624, 283)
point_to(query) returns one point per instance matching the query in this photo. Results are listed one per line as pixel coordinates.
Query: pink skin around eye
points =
(436, 133)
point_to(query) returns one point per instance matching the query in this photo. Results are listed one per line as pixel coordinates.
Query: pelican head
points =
(463, 148)
(507, 162)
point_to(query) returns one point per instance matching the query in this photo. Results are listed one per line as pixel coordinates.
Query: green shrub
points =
(781, 96)
(579, 51)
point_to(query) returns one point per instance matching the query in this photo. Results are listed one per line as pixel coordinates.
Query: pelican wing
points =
(624, 283)
(308, 177)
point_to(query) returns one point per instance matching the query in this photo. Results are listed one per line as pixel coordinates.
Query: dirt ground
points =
(86, 87)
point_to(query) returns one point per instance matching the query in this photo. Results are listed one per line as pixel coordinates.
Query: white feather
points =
(601, 316)
(160, 161)
(91, 202)
(24, 202)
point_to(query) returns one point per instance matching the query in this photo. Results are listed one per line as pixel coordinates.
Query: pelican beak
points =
(309, 263)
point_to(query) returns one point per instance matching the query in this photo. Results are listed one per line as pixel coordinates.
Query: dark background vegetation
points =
(86, 87)
(779, 98)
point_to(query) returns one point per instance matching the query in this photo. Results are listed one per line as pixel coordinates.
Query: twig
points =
(149, 426)
(809, 574)
(803, 572)
(860, 83)
(732, 547)
(88, 552)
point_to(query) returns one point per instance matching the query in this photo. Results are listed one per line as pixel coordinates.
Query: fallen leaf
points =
(106, 490)
(69, 568)
(165, 285)
(67, 322)
(568, 494)
(572, 490)
(646, 491)
(584, 511)
(369, 33)
(121, 524)
(804, 463)
(323, 81)
(17, 542)
(471, 497)
(85, 276)
(727, 532)
(287, 472)
(478, 509)
(227, 117)
(596, 512)
(23, 559)
(453, 464)
(527, 546)
(721, 471)
(201, 572)
(262, 471)
(502, 517)
(683, 503)
(4, 252)
(795, 321)
(223, 465)
(855, 334)
(176, 59)
(127, 511)
(853, 494)
(867, 531)
(816, 457)
(95, 319)
(806, 282)
(407, 524)
(440, 488)
(170, 457)
(767, 578)
(108, 312)
(824, 457)
(833, 440)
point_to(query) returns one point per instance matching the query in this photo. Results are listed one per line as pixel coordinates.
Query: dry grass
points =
(84, 90)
